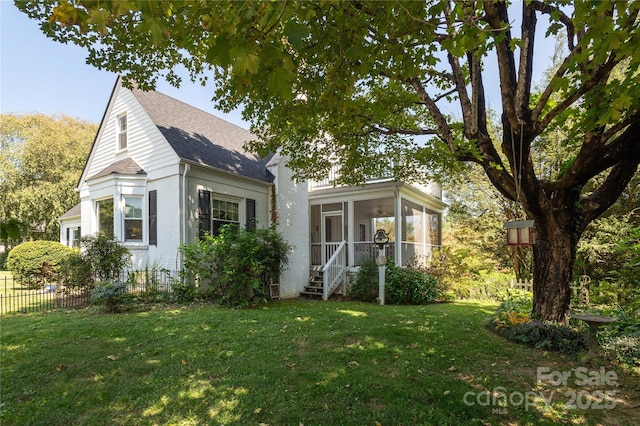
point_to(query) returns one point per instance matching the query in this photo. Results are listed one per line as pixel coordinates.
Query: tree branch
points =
(497, 17)
(388, 130)
(568, 23)
(621, 174)
(601, 74)
(441, 121)
(525, 71)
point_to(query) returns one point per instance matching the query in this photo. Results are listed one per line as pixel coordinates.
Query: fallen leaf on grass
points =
(184, 362)
(112, 357)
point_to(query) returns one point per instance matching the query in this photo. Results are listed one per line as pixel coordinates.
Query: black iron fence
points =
(34, 294)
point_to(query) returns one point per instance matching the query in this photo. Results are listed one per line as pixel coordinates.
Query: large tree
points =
(336, 82)
(41, 159)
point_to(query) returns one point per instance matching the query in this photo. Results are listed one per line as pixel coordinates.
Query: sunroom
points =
(344, 220)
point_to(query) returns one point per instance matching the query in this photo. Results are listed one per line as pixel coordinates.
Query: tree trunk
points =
(554, 255)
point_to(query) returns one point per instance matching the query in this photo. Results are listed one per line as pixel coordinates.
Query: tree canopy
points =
(351, 82)
(41, 161)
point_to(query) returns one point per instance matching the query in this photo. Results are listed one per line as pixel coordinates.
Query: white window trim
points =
(119, 132)
(241, 208)
(143, 226)
(97, 212)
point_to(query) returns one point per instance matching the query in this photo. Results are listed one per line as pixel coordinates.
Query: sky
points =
(38, 74)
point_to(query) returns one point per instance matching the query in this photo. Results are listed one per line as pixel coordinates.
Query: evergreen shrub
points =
(35, 262)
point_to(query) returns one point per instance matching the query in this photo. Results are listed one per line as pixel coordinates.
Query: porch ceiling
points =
(376, 208)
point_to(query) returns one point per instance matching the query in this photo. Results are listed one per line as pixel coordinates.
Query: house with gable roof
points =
(162, 173)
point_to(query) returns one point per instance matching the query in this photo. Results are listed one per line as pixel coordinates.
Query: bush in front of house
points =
(403, 286)
(236, 266)
(100, 259)
(364, 286)
(35, 262)
(110, 294)
(409, 286)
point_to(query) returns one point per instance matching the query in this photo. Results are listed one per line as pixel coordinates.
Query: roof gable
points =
(201, 138)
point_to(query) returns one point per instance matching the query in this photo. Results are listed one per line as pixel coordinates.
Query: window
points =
(76, 237)
(105, 217)
(223, 213)
(122, 132)
(213, 213)
(133, 218)
(73, 237)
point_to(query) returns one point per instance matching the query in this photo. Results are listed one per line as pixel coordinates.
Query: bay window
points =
(105, 217)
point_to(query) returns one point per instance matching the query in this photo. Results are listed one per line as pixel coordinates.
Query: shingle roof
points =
(122, 167)
(72, 212)
(199, 137)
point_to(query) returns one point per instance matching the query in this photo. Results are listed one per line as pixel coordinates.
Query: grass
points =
(289, 363)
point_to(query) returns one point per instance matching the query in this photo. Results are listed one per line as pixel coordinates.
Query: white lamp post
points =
(381, 238)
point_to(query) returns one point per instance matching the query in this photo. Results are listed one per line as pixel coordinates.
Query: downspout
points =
(183, 239)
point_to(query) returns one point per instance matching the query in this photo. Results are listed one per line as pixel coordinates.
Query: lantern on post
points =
(380, 239)
(520, 233)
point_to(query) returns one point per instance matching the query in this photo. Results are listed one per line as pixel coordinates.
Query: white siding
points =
(165, 254)
(293, 223)
(145, 144)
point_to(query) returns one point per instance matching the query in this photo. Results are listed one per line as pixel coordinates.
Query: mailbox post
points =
(381, 238)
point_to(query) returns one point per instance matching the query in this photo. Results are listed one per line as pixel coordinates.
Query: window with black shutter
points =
(204, 213)
(153, 218)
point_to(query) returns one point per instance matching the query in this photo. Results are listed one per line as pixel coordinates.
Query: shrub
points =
(237, 265)
(106, 256)
(547, 336)
(77, 271)
(39, 259)
(184, 292)
(409, 286)
(364, 286)
(3, 260)
(100, 259)
(513, 321)
(621, 339)
(110, 294)
(514, 303)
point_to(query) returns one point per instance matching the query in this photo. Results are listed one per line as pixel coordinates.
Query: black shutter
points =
(204, 212)
(251, 214)
(153, 218)
(68, 240)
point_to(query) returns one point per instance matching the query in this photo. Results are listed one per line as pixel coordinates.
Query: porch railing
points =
(333, 272)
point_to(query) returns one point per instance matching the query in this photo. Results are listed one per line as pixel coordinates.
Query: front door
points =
(332, 234)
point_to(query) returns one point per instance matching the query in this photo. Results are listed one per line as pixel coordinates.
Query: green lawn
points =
(292, 363)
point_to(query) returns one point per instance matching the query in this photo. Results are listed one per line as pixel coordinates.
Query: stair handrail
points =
(333, 271)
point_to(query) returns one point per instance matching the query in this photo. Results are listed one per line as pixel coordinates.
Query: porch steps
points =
(314, 289)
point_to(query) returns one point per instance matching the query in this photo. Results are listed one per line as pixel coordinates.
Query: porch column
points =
(398, 226)
(424, 234)
(351, 233)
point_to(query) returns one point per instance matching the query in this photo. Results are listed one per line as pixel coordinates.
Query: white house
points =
(161, 173)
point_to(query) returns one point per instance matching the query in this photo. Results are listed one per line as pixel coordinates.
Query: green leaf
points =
(218, 53)
(245, 62)
(279, 83)
(296, 33)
